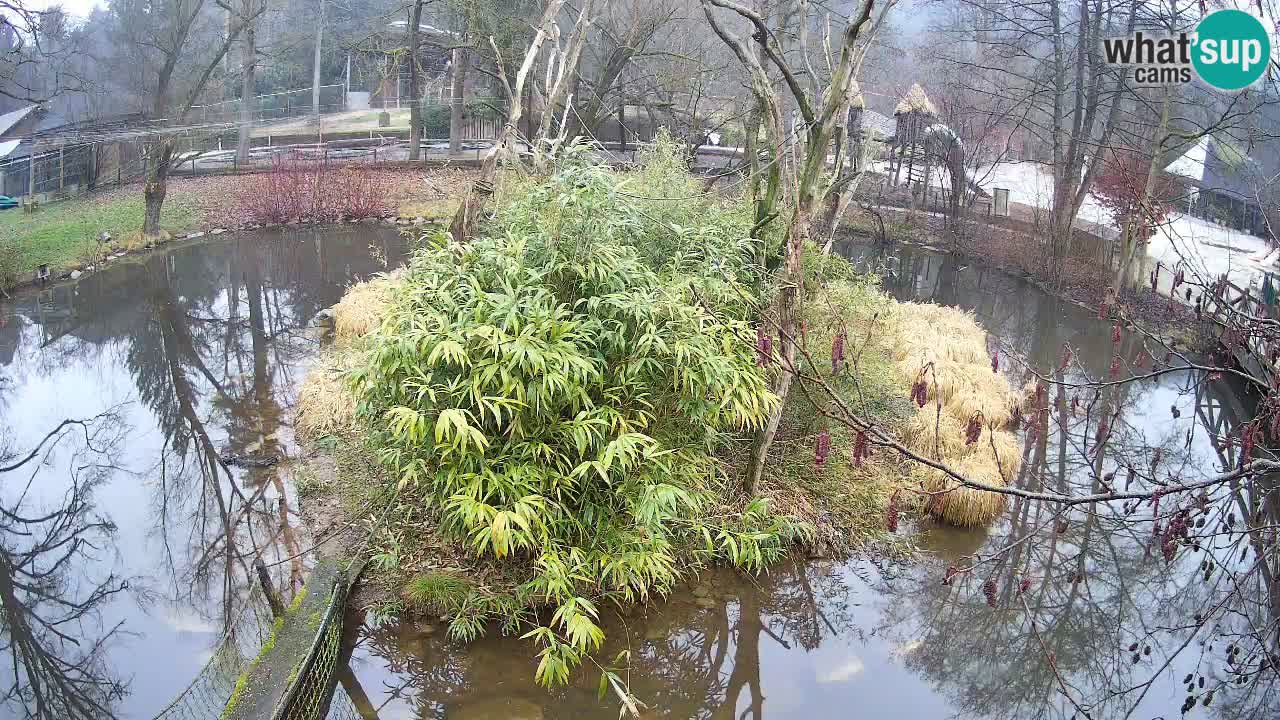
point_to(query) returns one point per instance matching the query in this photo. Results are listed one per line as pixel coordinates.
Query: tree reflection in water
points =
(208, 341)
(52, 585)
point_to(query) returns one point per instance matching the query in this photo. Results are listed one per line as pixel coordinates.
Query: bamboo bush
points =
(557, 391)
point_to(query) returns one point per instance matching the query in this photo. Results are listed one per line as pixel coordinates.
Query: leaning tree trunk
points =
(415, 104)
(457, 98)
(154, 191)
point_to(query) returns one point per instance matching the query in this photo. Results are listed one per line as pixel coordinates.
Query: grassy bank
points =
(557, 416)
(64, 235)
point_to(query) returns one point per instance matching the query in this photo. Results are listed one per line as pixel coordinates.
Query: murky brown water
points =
(125, 540)
(858, 640)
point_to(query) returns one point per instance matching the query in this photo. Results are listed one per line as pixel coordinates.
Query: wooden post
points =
(31, 176)
(62, 170)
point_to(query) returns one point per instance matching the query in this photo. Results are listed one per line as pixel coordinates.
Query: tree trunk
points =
(249, 66)
(1135, 232)
(457, 98)
(153, 192)
(788, 323)
(315, 66)
(415, 103)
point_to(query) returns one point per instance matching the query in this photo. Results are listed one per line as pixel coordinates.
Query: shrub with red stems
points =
(299, 190)
(1121, 186)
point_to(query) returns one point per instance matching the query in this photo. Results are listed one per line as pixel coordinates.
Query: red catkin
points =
(891, 515)
(764, 348)
(822, 450)
(973, 429)
(860, 448)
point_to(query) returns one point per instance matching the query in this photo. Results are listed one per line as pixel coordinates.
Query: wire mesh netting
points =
(342, 707)
(206, 697)
(313, 680)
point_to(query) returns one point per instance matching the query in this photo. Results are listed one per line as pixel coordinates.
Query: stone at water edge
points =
(75, 274)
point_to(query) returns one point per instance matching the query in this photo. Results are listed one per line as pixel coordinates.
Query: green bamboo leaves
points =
(558, 394)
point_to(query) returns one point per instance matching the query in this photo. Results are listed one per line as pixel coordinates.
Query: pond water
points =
(1072, 594)
(125, 539)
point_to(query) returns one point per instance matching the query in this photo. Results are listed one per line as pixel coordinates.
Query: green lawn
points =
(64, 234)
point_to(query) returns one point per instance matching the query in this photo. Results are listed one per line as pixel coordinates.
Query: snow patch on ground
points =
(1207, 249)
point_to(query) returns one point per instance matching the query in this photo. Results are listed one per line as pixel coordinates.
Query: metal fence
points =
(71, 169)
(275, 106)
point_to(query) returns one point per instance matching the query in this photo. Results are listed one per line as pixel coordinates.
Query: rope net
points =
(207, 695)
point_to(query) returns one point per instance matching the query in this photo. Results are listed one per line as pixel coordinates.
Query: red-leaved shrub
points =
(299, 190)
(1121, 185)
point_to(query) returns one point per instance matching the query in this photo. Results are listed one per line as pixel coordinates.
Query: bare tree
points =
(39, 55)
(821, 110)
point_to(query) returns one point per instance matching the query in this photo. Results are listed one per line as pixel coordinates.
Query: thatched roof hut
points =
(915, 101)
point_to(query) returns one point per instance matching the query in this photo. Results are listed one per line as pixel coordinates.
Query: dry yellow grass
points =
(325, 403)
(964, 384)
(960, 505)
(361, 310)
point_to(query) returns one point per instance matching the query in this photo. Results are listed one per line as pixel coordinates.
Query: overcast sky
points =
(79, 8)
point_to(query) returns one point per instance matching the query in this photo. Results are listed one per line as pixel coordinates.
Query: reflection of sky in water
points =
(846, 640)
(118, 340)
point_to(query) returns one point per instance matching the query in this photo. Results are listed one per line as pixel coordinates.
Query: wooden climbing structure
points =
(912, 117)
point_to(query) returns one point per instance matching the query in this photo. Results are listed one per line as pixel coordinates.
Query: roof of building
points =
(8, 120)
(1216, 163)
(915, 101)
(7, 147)
(424, 28)
(877, 123)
